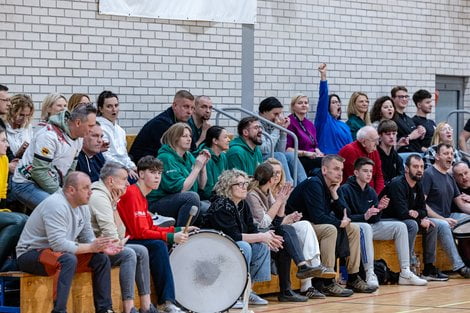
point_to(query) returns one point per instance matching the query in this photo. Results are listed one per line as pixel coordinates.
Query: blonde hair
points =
(352, 108)
(47, 103)
(174, 133)
(282, 181)
(436, 138)
(294, 100)
(18, 103)
(223, 186)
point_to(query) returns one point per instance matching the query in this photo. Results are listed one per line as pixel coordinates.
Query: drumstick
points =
(192, 213)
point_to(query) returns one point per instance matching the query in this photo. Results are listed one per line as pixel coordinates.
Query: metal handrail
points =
(456, 112)
(296, 141)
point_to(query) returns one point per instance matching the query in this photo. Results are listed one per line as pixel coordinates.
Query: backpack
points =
(384, 274)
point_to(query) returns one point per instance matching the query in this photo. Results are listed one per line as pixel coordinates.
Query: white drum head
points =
(209, 271)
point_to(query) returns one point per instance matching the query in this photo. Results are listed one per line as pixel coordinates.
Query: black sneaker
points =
(313, 293)
(335, 290)
(434, 274)
(464, 272)
(291, 296)
(358, 285)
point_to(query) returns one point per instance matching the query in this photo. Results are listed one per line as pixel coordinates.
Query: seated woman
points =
(383, 109)
(132, 208)
(332, 133)
(268, 211)
(444, 133)
(51, 105)
(309, 154)
(18, 123)
(113, 134)
(183, 175)
(216, 142)
(78, 99)
(11, 224)
(358, 112)
(230, 213)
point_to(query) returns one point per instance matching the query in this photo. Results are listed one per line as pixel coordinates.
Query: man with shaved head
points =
(199, 121)
(58, 241)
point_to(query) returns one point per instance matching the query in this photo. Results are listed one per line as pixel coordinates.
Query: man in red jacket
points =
(364, 146)
(133, 210)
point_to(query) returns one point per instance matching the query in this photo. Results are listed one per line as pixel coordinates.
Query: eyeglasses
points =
(243, 184)
(277, 173)
(6, 100)
(335, 102)
(403, 97)
(447, 129)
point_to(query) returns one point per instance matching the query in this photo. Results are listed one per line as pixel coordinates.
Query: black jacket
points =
(392, 165)
(359, 201)
(403, 198)
(91, 166)
(313, 199)
(233, 220)
(147, 141)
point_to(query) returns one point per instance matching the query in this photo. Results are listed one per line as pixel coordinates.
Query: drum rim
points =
(461, 235)
(219, 232)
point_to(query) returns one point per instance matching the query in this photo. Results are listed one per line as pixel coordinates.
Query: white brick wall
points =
(369, 45)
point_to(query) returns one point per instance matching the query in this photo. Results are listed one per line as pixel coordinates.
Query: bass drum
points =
(210, 272)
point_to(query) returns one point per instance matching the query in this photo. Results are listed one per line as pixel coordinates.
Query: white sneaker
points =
(256, 300)
(238, 305)
(163, 221)
(169, 307)
(371, 279)
(408, 278)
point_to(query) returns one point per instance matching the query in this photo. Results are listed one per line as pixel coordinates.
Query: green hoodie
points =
(214, 167)
(175, 171)
(242, 157)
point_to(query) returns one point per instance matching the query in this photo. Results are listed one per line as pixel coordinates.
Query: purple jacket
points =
(307, 141)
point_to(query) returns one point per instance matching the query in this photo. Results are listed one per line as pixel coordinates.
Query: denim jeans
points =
(11, 225)
(177, 205)
(159, 262)
(30, 194)
(460, 217)
(133, 262)
(258, 258)
(384, 230)
(99, 265)
(444, 232)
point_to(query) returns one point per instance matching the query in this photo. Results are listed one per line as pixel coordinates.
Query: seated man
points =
(244, 152)
(133, 210)
(364, 146)
(199, 121)
(318, 200)
(58, 241)
(461, 173)
(133, 260)
(441, 191)
(407, 205)
(51, 155)
(271, 109)
(365, 210)
(90, 158)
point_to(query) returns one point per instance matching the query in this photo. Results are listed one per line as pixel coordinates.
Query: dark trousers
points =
(310, 164)
(177, 205)
(63, 266)
(11, 225)
(291, 250)
(160, 268)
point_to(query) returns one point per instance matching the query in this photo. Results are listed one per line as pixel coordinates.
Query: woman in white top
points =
(108, 111)
(51, 105)
(18, 124)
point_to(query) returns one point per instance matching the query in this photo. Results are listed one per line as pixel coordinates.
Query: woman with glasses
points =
(300, 241)
(113, 134)
(231, 214)
(444, 133)
(358, 112)
(78, 99)
(183, 175)
(18, 124)
(332, 133)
